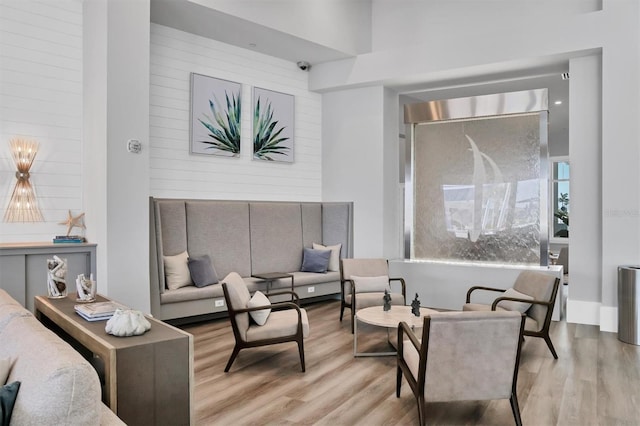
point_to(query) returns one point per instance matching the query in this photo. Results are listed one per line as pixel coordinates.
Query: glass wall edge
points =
(477, 106)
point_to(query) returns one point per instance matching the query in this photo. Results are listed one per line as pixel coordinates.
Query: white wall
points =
(176, 173)
(41, 98)
(468, 21)
(116, 109)
(586, 191)
(352, 157)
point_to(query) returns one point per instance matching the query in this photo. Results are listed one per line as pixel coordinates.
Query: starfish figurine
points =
(73, 222)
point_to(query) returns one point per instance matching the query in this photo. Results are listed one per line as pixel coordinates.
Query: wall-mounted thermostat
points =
(134, 145)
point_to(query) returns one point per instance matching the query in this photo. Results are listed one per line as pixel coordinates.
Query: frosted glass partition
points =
(478, 187)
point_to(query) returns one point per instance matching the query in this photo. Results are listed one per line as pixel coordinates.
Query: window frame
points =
(552, 196)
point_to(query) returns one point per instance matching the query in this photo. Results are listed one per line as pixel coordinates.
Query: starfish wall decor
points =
(74, 222)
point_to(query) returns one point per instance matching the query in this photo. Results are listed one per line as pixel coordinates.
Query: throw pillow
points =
(315, 260)
(176, 271)
(371, 284)
(5, 367)
(511, 305)
(202, 271)
(259, 299)
(8, 395)
(334, 260)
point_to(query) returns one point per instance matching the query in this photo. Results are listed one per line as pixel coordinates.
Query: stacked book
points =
(98, 311)
(65, 239)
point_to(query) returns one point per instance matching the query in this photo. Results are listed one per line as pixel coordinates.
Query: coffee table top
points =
(375, 315)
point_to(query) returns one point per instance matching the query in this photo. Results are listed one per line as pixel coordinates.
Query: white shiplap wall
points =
(41, 98)
(176, 173)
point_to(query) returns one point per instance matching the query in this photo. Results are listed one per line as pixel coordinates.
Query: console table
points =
(148, 379)
(24, 267)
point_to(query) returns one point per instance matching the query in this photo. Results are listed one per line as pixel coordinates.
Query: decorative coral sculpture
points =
(127, 322)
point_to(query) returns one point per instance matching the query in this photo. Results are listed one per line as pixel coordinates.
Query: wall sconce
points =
(23, 206)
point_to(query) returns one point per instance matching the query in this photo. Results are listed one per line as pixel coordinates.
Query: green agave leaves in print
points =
(224, 126)
(266, 136)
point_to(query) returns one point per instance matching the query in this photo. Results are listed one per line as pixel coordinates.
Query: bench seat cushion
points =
(191, 292)
(307, 278)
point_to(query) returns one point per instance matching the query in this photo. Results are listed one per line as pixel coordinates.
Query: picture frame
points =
(273, 126)
(215, 116)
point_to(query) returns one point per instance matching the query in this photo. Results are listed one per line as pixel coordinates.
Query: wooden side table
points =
(270, 277)
(148, 379)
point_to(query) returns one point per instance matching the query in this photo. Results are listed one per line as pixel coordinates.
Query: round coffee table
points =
(390, 319)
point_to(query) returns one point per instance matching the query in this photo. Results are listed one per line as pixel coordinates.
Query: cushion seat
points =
(280, 323)
(306, 278)
(366, 300)
(191, 292)
(530, 324)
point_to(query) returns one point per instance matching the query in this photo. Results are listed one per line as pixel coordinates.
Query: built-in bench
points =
(247, 237)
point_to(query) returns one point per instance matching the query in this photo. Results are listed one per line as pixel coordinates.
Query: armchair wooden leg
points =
(398, 381)
(301, 350)
(234, 354)
(551, 348)
(353, 318)
(422, 415)
(341, 311)
(515, 408)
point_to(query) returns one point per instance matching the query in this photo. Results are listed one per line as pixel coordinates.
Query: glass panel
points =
(477, 190)
(561, 170)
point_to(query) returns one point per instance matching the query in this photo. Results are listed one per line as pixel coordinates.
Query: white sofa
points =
(247, 237)
(57, 385)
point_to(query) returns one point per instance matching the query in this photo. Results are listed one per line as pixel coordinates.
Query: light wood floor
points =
(595, 381)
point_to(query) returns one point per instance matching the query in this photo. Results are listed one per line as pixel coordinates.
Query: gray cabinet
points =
(23, 267)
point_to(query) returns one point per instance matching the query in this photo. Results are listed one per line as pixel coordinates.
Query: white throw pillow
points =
(371, 284)
(511, 305)
(5, 367)
(176, 271)
(259, 299)
(334, 259)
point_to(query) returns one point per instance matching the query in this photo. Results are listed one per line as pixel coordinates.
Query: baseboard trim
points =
(581, 312)
(609, 319)
(593, 313)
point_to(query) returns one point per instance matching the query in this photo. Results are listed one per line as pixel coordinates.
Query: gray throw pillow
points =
(8, 395)
(315, 260)
(202, 271)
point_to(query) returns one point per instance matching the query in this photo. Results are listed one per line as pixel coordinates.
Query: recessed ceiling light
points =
(252, 45)
(558, 102)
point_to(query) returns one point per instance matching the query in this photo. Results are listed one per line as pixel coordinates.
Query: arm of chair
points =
(272, 306)
(477, 287)
(403, 328)
(404, 286)
(351, 289)
(515, 299)
(343, 282)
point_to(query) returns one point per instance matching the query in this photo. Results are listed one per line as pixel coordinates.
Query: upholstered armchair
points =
(363, 283)
(533, 293)
(257, 322)
(462, 356)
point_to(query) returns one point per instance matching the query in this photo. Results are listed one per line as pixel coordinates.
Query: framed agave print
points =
(215, 116)
(273, 114)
